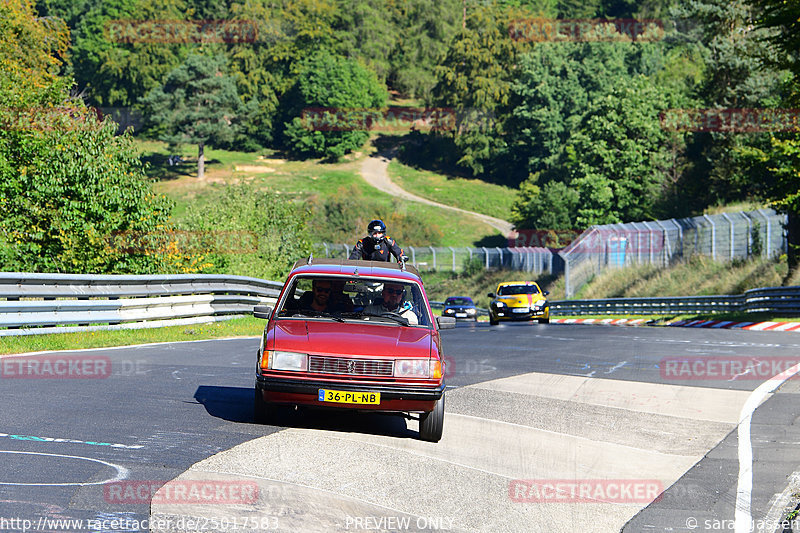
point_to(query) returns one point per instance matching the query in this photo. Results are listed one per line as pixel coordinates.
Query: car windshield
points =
(343, 298)
(508, 290)
(458, 300)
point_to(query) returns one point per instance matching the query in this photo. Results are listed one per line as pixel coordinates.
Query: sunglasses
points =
(323, 290)
(394, 291)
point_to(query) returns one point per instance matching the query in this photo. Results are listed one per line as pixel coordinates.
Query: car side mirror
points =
(262, 311)
(490, 295)
(546, 293)
(446, 322)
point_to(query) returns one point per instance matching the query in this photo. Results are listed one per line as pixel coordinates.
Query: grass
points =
(470, 194)
(309, 181)
(698, 276)
(237, 327)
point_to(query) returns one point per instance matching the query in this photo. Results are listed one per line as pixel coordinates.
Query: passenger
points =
(377, 246)
(392, 301)
(323, 296)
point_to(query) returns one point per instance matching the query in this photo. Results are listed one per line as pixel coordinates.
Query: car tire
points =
(544, 321)
(493, 321)
(263, 412)
(431, 424)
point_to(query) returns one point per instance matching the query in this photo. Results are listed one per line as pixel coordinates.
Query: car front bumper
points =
(507, 313)
(394, 397)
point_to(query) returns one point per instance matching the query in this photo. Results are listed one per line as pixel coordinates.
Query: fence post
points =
(665, 237)
(413, 256)
(470, 254)
(486, 255)
(768, 248)
(433, 251)
(501, 256)
(346, 251)
(325, 244)
(713, 237)
(749, 234)
(454, 257)
(730, 223)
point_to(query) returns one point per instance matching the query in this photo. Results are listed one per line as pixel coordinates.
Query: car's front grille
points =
(351, 367)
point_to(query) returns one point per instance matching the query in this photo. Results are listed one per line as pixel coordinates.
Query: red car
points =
(354, 335)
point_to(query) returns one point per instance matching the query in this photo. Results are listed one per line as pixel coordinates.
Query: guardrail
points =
(50, 303)
(780, 300)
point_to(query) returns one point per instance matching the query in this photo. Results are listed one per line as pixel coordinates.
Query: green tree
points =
(334, 88)
(197, 104)
(67, 183)
(269, 232)
(619, 160)
(552, 206)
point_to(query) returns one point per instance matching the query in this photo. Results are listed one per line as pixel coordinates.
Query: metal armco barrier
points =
(45, 303)
(779, 300)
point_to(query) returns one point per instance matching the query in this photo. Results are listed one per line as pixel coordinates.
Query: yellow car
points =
(519, 300)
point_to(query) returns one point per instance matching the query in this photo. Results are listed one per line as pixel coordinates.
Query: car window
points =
(508, 290)
(354, 298)
(458, 301)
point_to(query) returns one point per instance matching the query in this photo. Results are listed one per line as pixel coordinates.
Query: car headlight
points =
(540, 302)
(295, 361)
(470, 311)
(412, 368)
(448, 311)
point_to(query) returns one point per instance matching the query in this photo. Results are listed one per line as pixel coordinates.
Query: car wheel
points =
(493, 321)
(432, 423)
(263, 412)
(544, 321)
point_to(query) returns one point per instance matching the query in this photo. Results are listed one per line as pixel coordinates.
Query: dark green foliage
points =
(339, 86)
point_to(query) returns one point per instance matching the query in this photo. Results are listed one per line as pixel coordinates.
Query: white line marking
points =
(122, 472)
(744, 487)
(147, 345)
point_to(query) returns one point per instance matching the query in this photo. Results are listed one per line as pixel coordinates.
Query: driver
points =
(392, 295)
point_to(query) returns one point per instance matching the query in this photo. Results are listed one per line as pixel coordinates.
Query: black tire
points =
(431, 424)
(493, 321)
(263, 412)
(544, 321)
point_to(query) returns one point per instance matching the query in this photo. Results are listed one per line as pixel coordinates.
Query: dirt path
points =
(374, 172)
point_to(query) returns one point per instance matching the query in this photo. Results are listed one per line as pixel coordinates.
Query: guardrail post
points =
(454, 257)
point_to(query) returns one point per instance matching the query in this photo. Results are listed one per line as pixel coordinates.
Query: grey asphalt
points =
(167, 407)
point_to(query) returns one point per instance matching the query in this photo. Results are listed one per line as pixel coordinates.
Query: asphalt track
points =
(530, 408)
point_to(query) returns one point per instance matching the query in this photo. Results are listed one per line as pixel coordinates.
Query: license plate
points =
(521, 310)
(339, 396)
(461, 315)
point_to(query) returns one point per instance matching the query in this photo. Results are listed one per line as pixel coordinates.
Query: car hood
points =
(520, 300)
(350, 338)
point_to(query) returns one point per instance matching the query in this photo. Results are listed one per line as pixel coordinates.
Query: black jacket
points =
(381, 249)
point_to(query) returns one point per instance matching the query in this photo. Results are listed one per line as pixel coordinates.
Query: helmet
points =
(376, 225)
